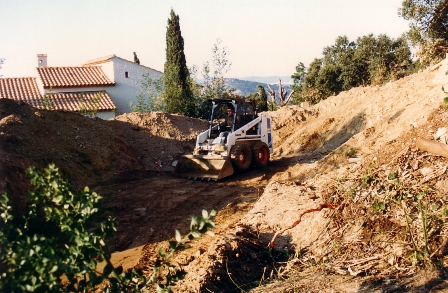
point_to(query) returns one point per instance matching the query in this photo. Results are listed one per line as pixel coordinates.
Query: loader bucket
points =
(209, 168)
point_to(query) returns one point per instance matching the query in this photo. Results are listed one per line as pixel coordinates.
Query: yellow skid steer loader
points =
(235, 142)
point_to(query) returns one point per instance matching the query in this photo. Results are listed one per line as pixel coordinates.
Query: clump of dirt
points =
(221, 262)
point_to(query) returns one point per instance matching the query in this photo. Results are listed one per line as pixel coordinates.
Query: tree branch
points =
(287, 99)
(271, 93)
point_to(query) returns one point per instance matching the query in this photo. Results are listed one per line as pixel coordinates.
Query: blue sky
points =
(263, 37)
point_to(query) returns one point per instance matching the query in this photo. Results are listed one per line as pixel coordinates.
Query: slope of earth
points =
(374, 225)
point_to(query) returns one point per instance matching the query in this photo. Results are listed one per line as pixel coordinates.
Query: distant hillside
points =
(244, 87)
(269, 79)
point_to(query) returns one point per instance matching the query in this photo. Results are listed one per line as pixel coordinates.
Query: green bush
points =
(50, 248)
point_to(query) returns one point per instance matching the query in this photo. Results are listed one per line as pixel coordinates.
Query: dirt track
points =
(128, 161)
(149, 210)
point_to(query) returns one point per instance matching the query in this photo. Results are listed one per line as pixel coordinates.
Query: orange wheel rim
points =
(241, 157)
(262, 155)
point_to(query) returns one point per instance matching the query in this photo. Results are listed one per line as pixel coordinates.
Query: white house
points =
(127, 78)
(79, 89)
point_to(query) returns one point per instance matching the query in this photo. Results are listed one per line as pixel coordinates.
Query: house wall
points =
(127, 88)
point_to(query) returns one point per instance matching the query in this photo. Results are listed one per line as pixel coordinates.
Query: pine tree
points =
(178, 94)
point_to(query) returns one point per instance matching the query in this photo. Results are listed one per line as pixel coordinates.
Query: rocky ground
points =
(353, 204)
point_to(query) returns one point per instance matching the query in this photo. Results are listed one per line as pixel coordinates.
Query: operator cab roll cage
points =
(245, 111)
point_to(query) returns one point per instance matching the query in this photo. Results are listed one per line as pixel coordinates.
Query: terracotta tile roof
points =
(55, 77)
(19, 88)
(75, 102)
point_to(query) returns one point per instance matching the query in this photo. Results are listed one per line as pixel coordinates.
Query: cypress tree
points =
(262, 99)
(178, 93)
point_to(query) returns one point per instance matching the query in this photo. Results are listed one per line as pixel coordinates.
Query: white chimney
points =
(41, 60)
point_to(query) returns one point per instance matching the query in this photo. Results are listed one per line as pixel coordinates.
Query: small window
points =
(126, 74)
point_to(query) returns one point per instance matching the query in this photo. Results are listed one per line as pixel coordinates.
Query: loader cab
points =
(244, 112)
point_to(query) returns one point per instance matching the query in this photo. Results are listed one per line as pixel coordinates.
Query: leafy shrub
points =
(150, 98)
(50, 248)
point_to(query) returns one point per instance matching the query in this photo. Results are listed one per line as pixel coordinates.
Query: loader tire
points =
(241, 157)
(260, 154)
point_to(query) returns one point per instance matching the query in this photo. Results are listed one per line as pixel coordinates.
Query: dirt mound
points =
(376, 231)
(380, 113)
(157, 139)
(364, 236)
(91, 152)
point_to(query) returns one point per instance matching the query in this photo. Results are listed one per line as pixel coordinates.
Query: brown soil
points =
(129, 162)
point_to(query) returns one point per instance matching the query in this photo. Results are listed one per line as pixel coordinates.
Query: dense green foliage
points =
(178, 93)
(260, 98)
(428, 23)
(428, 18)
(347, 64)
(50, 249)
